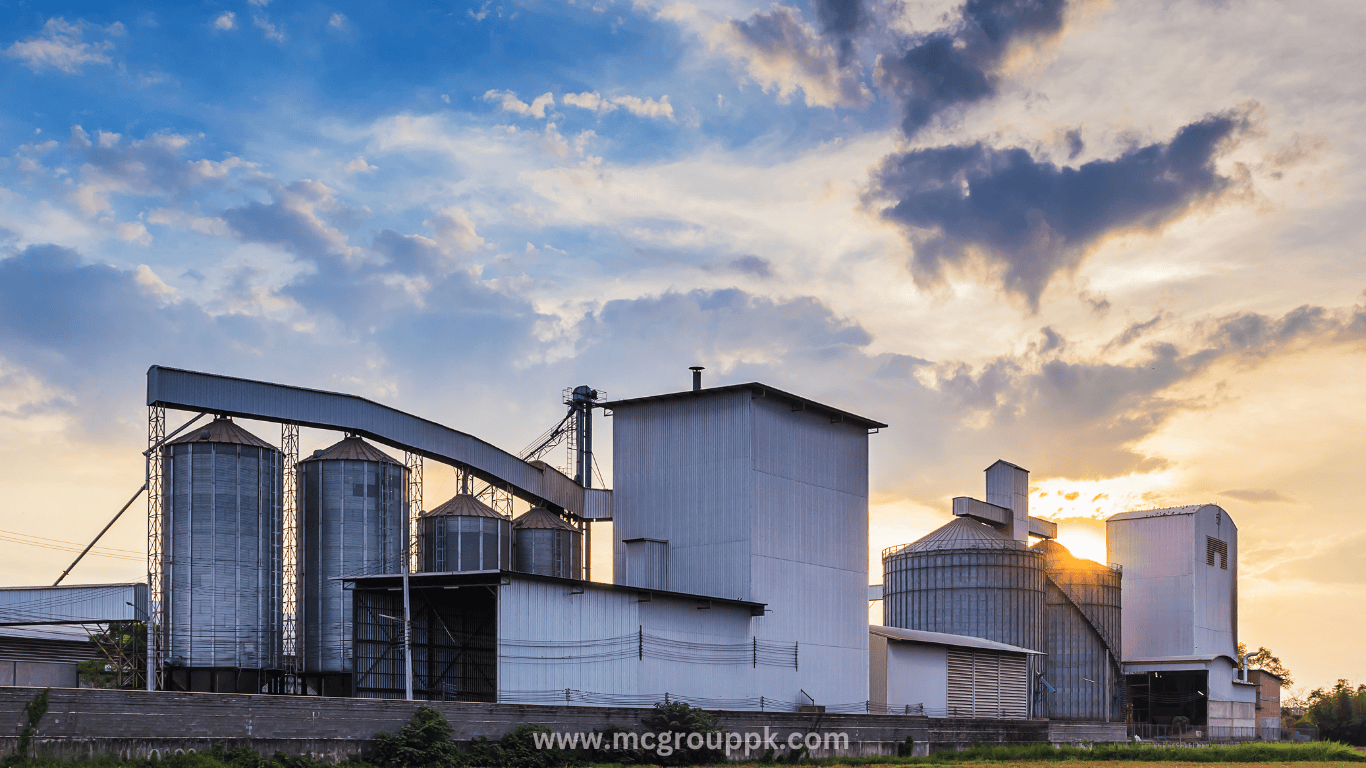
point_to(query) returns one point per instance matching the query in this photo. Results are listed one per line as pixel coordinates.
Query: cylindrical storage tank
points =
(354, 522)
(464, 534)
(966, 578)
(1082, 634)
(222, 540)
(546, 545)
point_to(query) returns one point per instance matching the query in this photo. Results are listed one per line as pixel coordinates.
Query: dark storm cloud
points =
(779, 38)
(753, 265)
(953, 69)
(1031, 218)
(842, 21)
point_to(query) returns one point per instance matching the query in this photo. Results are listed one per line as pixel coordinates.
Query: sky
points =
(1119, 244)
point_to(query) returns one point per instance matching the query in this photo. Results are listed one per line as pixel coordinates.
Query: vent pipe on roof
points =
(697, 377)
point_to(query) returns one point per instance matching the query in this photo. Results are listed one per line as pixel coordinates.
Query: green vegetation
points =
(126, 643)
(1339, 713)
(1265, 659)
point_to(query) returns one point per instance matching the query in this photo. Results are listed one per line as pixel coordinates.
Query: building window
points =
(1216, 548)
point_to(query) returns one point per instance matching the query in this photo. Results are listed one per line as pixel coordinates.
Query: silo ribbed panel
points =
(222, 540)
(354, 522)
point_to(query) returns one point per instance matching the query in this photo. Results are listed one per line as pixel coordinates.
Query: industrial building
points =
(740, 535)
(1180, 604)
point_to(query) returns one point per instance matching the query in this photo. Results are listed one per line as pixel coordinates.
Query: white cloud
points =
(508, 102)
(271, 32)
(62, 48)
(260, 3)
(595, 102)
(133, 232)
(338, 21)
(226, 21)
(358, 166)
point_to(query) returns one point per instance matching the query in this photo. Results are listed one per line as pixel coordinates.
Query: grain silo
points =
(1082, 626)
(464, 534)
(546, 545)
(353, 521)
(222, 575)
(966, 578)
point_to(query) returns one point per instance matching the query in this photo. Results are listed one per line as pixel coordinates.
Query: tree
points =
(1266, 660)
(1340, 713)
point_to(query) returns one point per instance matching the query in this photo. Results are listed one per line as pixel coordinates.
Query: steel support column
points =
(156, 640)
(289, 446)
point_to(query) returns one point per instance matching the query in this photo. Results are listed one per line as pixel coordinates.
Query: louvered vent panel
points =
(960, 698)
(1014, 687)
(986, 679)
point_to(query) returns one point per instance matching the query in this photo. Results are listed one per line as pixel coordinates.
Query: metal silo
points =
(1083, 629)
(464, 534)
(222, 547)
(966, 578)
(354, 521)
(546, 545)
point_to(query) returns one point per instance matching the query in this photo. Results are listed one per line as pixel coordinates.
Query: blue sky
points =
(1119, 244)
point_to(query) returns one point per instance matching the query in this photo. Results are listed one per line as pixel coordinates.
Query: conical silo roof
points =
(353, 449)
(540, 517)
(463, 505)
(222, 430)
(962, 533)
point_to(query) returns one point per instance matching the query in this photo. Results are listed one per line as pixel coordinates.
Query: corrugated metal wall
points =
(994, 594)
(73, 604)
(1078, 665)
(759, 502)
(550, 639)
(222, 538)
(1158, 558)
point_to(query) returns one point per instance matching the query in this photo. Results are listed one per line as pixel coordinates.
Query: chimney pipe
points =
(697, 377)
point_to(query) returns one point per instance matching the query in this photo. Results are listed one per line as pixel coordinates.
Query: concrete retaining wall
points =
(84, 722)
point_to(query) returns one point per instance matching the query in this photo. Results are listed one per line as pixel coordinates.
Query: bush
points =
(679, 717)
(425, 742)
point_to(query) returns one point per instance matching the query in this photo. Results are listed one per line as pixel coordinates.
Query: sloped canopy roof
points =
(222, 430)
(944, 638)
(353, 449)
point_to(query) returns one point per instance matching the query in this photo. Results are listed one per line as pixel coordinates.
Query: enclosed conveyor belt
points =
(534, 481)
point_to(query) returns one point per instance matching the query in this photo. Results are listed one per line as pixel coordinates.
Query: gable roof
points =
(757, 390)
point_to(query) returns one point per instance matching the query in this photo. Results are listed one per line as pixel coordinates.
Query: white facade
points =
(752, 494)
(943, 675)
(1180, 593)
(1180, 604)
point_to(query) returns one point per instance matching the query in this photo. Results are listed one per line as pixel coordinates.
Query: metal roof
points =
(1189, 509)
(494, 578)
(463, 505)
(1008, 464)
(353, 449)
(758, 390)
(960, 533)
(542, 518)
(264, 401)
(73, 604)
(944, 638)
(222, 430)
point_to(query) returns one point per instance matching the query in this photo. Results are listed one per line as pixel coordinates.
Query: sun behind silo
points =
(353, 521)
(1082, 620)
(222, 577)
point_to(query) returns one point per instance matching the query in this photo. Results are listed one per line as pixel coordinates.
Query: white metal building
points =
(943, 675)
(753, 494)
(1180, 617)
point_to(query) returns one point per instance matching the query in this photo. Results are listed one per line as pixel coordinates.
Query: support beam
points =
(263, 401)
